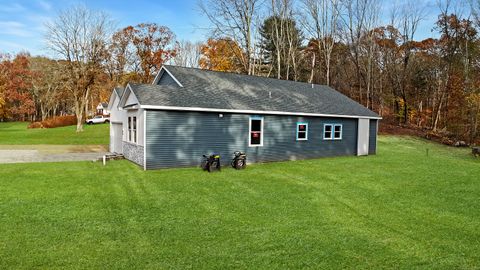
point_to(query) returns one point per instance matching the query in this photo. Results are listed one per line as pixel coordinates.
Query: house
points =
(188, 112)
(102, 109)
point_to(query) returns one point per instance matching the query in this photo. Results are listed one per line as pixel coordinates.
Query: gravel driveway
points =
(22, 154)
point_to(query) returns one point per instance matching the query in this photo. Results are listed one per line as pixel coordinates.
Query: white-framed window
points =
(132, 129)
(337, 131)
(302, 131)
(332, 131)
(255, 134)
(327, 131)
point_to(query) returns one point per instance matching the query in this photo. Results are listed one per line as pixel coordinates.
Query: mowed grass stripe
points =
(17, 133)
(400, 209)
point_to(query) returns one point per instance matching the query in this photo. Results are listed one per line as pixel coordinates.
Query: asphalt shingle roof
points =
(230, 91)
(119, 91)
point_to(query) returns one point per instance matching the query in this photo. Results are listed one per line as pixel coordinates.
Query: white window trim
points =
(341, 131)
(331, 133)
(134, 128)
(250, 131)
(306, 131)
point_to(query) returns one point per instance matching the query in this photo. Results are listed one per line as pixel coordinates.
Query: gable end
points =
(165, 77)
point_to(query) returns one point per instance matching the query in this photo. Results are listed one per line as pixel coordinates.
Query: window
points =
(256, 131)
(302, 131)
(327, 131)
(132, 129)
(129, 129)
(332, 131)
(337, 132)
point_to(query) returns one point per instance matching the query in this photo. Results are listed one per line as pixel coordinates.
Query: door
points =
(116, 138)
(363, 137)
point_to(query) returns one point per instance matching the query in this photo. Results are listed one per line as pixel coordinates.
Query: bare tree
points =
(235, 19)
(79, 35)
(361, 17)
(281, 40)
(188, 54)
(321, 22)
(406, 19)
(47, 85)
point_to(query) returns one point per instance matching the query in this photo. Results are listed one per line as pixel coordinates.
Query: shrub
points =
(35, 125)
(57, 121)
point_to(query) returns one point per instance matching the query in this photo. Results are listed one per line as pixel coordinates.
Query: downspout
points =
(144, 140)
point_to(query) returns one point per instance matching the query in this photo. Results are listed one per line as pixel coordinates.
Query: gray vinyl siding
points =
(372, 144)
(175, 139)
(166, 79)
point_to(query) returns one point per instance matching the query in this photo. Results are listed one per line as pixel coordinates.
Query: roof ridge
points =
(246, 75)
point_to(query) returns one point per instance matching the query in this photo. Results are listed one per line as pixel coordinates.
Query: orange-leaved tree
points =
(16, 100)
(141, 49)
(221, 55)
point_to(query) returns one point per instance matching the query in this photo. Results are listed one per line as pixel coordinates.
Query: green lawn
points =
(400, 209)
(17, 133)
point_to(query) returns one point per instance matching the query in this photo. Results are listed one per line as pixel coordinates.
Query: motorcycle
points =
(239, 160)
(211, 163)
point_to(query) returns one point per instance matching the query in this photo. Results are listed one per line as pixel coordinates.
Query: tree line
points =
(431, 84)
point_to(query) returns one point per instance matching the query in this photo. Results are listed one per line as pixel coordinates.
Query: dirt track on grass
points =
(50, 153)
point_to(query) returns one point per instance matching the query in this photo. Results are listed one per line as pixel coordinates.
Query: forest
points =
(431, 84)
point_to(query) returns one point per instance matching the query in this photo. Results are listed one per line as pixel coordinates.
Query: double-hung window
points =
(337, 132)
(302, 131)
(327, 131)
(332, 131)
(255, 136)
(132, 129)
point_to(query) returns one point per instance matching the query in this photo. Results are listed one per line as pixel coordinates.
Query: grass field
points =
(12, 133)
(400, 209)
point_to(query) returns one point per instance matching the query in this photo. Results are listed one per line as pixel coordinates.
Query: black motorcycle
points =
(211, 163)
(239, 160)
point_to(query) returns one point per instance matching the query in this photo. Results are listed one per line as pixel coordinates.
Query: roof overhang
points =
(126, 93)
(198, 109)
(113, 95)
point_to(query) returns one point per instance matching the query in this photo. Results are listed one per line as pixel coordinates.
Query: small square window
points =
(302, 131)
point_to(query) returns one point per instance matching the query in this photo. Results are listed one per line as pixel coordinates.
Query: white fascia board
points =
(113, 96)
(125, 94)
(198, 109)
(121, 104)
(159, 74)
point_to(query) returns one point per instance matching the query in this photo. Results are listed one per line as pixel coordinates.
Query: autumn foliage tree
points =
(16, 101)
(142, 49)
(221, 55)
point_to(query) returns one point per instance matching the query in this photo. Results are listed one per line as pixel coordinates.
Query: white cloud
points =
(15, 7)
(44, 5)
(12, 47)
(14, 28)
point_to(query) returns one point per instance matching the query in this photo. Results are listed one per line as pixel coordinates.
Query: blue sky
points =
(22, 21)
